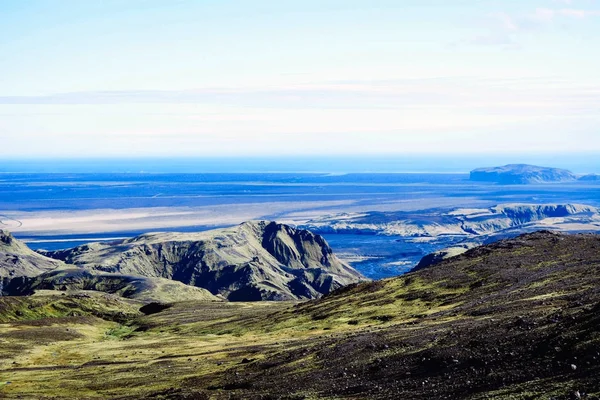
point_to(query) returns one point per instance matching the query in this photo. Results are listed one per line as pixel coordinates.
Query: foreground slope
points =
(518, 319)
(252, 261)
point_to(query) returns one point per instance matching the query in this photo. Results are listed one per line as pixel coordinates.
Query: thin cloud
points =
(569, 12)
(549, 14)
(504, 28)
(540, 96)
(572, 2)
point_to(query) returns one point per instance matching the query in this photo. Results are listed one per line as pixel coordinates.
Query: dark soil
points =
(527, 326)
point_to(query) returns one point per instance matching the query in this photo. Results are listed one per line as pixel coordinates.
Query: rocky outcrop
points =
(16, 259)
(252, 261)
(521, 174)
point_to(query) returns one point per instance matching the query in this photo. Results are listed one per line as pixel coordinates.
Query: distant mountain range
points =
(249, 262)
(508, 219)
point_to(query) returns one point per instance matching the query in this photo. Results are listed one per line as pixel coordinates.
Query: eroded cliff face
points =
(253, 261)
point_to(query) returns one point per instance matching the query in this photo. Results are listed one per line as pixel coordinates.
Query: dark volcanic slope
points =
(517, 319)
(252, 261)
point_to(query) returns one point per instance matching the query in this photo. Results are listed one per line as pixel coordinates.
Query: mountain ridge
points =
(255, 260)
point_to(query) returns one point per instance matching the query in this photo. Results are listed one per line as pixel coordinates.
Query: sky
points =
(146, 78)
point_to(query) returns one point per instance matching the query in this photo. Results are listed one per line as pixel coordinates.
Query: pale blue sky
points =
(312, 77)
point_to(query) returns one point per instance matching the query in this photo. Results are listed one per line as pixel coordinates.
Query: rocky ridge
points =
(252, 261)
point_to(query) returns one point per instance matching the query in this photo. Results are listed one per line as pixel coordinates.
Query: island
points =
(522, 174)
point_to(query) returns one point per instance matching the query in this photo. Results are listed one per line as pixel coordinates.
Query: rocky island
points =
(513, 174)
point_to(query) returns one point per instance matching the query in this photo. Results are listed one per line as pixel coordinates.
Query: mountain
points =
(467, 222)
(522, 174)
(252, 261)
(517, 319)
(131, 287)
(16, 259)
